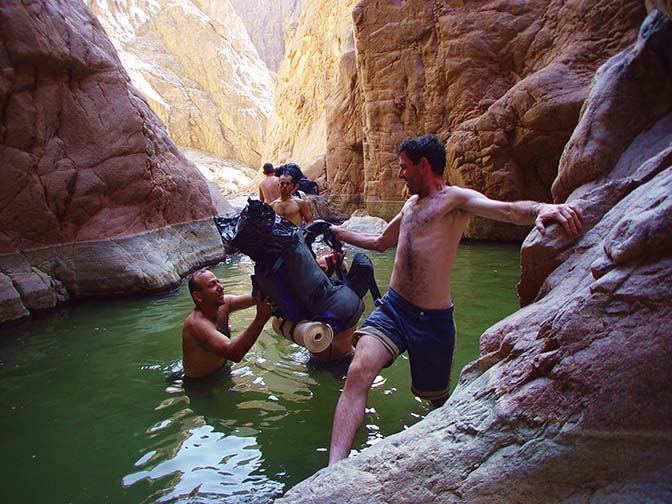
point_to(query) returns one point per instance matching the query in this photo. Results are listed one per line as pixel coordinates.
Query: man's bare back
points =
(269, 190)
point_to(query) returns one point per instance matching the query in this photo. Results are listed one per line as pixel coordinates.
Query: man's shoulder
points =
(196, 321)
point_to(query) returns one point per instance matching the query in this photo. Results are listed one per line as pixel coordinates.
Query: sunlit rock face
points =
(570, 400)
(297, 128)
(95, 198)
(502, 85)
(267, 21)
(196, 66)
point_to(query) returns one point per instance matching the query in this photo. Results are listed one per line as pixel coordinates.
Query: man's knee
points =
(361, 374)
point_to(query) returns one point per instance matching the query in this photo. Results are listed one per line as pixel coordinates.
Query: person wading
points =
(206, 336)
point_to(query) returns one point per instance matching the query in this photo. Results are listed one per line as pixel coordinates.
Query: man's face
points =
(212, 291)
(410, 173)
(286, 185)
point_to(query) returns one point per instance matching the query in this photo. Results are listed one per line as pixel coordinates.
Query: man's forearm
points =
(242, 344)
(524, 212)
(362, 240)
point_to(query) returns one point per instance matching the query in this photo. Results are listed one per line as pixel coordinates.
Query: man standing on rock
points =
(417, 311)
(206, 336)
(293, 209)
(269, 190)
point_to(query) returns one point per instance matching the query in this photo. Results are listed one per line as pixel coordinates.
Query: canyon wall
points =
(297, 129)
(570, 399)
(267, 22)
(501, 84)
(96, 199)
(195, 64)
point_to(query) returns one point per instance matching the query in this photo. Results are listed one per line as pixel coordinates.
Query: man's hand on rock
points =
(567, 215)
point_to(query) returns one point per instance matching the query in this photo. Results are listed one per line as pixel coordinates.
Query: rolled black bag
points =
(286, 270)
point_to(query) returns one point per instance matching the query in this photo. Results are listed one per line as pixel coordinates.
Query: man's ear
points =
(424, 163)
(197, 296)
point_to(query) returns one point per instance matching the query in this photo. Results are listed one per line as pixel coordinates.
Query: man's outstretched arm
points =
(234, 349)
(370, 241)
(520, 212)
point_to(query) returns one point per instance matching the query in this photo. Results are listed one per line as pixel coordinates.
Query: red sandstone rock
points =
(501, 84)
(85, 159)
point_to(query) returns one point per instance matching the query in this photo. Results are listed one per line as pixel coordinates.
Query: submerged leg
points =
(370, 357)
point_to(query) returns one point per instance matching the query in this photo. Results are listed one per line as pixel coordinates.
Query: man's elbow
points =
(236, 358)
(380, 246)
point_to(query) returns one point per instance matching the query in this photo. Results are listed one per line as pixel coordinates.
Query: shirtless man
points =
(416, 314)
(269, 190)
(293, 209)
(206, 343)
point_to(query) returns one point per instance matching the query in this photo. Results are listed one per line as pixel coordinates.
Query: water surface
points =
(87, 414)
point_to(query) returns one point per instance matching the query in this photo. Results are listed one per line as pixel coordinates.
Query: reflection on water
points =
(88, 409)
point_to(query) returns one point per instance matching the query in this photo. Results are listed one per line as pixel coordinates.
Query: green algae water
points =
(88, 414)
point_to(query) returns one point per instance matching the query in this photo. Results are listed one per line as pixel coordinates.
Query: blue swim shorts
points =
(428, 335)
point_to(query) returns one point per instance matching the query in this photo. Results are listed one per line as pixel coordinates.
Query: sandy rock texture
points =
(297, 129)
(195, 64)
(570, 400)
(501, 84)
(267, 22)
(95, 198)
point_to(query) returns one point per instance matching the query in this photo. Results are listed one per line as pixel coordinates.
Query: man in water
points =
(206, 336)
(293, 209)
(269, 190)
(416, 314)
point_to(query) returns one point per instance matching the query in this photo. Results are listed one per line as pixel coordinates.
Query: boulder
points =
(360, 222)
(93, 186)
(570, 398)
(322, 208)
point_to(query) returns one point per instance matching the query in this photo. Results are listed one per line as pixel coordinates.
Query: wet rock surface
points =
(570, 399)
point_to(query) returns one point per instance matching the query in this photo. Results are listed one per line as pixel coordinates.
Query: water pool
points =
(87, 414)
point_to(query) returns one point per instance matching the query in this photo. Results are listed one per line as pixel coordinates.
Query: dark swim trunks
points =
(428, 335)
(178, 377)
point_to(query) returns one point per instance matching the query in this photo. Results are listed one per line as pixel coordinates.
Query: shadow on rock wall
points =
(570, 399)
(96, 199)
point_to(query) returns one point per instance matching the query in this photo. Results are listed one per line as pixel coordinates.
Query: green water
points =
(88, 416)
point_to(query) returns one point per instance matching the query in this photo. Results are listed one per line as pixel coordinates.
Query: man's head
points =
(205, 288)
(287, 185)
(268, 169)
(428, 147)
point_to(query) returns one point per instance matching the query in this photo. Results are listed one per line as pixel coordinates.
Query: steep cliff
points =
(297, 126)
(501, 84)
(267, 22)
(196, 66)
(96, 198)
(570, 399)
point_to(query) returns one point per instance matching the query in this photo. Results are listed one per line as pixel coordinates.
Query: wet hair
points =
(268, 168)
(427, 146)
(285, 174)
(291, 169)
(193, 280)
